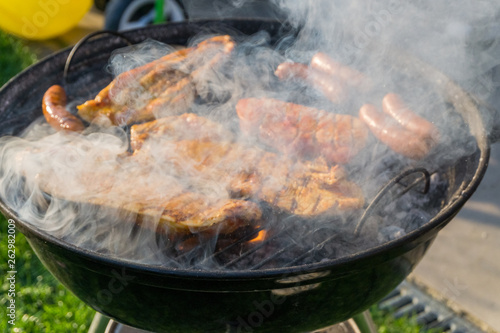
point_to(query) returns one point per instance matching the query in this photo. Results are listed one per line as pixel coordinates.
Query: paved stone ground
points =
(463, 264)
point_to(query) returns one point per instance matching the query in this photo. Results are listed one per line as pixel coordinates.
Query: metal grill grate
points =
(276, 248)
(297, 242)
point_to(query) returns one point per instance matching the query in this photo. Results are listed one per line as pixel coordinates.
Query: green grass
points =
(42, 303)
(14, 57)
(386, 323)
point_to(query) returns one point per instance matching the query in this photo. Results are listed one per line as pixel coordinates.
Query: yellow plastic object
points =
(41, 19)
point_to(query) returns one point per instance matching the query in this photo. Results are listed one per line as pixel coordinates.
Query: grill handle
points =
(83, 41)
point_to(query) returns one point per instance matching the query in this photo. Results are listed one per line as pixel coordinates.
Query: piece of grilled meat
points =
(308, 189)
(302, 131)
(188, 126)
(166, 86)
(147, 194)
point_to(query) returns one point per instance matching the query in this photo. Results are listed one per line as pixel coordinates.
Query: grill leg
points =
(365, 322)
(99, 323)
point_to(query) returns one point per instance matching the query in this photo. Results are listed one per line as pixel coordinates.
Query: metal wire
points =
(83, 41)
(396, 180)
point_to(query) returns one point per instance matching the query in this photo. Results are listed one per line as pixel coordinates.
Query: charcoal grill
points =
(301, 296)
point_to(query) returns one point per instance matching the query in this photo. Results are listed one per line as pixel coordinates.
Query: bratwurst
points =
(395, 136)
(394, 106)
(330, 86)
(55, 112)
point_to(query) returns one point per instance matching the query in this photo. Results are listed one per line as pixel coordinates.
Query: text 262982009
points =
(11, 274)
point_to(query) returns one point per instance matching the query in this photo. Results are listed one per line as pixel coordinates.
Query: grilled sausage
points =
(398, 138)
(331, 87)
(55, 112)
(323, 63)
(394, 106)
(292, 70)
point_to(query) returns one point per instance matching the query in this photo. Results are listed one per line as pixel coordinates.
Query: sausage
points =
(292, 70)
(398, 138)
(55, 112)
(394, 106)
(323, 63)
(331, 87)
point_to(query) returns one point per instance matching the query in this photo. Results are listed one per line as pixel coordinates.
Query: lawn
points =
(42, 303)
(14, 57)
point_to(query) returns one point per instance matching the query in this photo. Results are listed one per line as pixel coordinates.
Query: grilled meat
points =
(207, 183)
(335, 80)
(154, 199)
(55, 112)
(203, 151)
(302, 131)
(160, 88)
(189, 174)
(302, 188)
(330, 86)
(188, 126)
